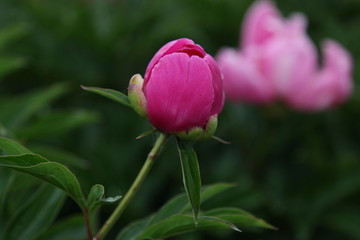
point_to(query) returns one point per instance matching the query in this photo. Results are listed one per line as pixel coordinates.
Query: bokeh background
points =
(300, 172)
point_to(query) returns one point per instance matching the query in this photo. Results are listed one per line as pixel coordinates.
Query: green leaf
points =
(191, 175)
(11, 147)
(95, 198)
(8, 64)
(238, 217)
(72, 228)
(11, 33)
(56, 124)
(147, 133)
(179, 224)
(134, 230)
(60, 156)
(35, 215)
(180, 203)
(109, 93)
(221, 218)
(51, 172)
(177, 205)
(221, 221)
(16, 111)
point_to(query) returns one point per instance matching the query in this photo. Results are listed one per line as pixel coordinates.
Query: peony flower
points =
(331, 85)
(182, 90)
(278, 61)
(242, 79)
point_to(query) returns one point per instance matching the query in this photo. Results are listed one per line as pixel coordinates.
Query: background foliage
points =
(298, 171)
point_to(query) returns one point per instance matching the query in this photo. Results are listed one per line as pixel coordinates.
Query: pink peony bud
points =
(182, 89)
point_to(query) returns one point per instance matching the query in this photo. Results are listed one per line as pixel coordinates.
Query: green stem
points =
(87, 224)
(134, 187)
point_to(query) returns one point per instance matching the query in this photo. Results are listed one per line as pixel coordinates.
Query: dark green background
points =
(300, 172)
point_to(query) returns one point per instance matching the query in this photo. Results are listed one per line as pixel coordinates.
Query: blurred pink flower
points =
(183, 87)
(242, 79)
(278, 61)
(330, 85)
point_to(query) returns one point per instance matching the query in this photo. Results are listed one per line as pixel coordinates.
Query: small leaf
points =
(191, 175)
(10, 33)
(14, 112)
(144, 134)
(222, 221)
(134, 230)
(60, 156)
(11, 147)
(51, 172)
(179, 224)
(8, 64)
(95, 198)
(220, 140)
(221, 218)
(72, 228)
(56, 124)
(35, 215)
(210, 191)
(177, 205)
(109, 93)
(180, 203)
(238, 217)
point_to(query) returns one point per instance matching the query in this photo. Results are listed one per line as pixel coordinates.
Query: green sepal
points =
(136, 95)
(200, 133)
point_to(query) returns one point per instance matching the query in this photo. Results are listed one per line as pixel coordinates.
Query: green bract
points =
(136, 96)
(199, 133)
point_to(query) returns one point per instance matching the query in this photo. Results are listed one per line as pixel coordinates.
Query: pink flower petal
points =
(219, 95)
(338, 65)
(260, 22)
(179, 93)
(331, 85)
(179, 45)
(289, 61)
(242, 79)
(297, 23)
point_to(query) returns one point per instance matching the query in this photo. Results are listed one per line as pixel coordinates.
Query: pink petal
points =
(182, 44)
(217, 77)
(297, 23)
(315, 97)
(242, 79)
(338, 65)
(260, 23)
(331, 85)
(289, 61)
(179, 93)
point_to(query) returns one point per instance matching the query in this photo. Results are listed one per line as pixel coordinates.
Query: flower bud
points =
(182, 91)
(136, 95)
